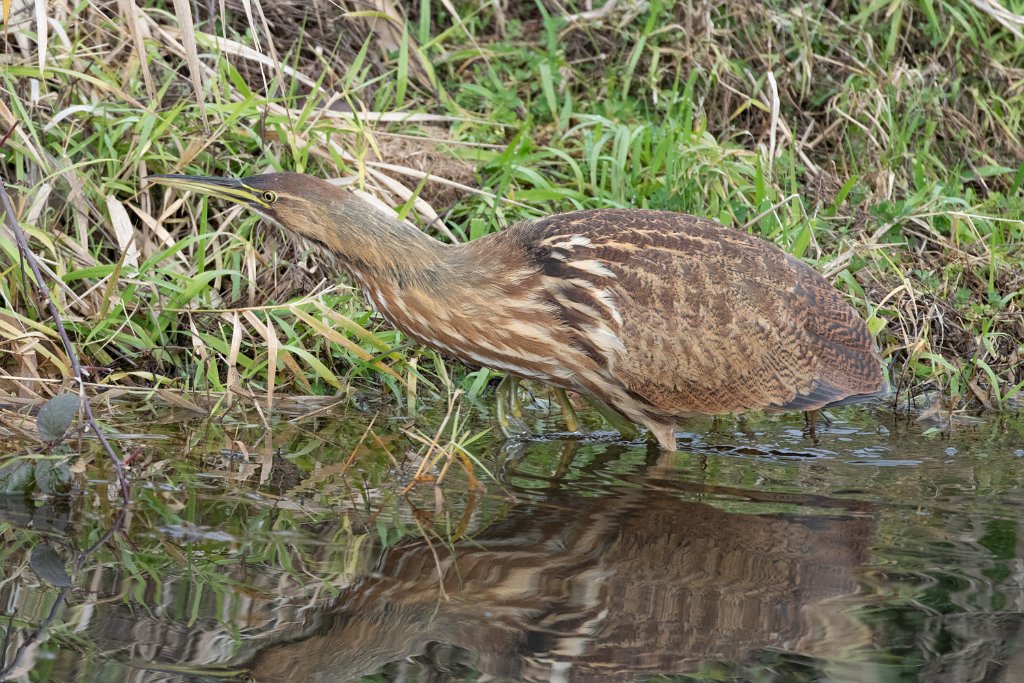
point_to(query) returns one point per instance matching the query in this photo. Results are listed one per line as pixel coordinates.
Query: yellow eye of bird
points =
(269, 197)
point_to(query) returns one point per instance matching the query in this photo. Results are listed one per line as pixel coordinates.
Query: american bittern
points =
(659, 315)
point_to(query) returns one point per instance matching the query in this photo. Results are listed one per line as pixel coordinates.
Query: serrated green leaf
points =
(55, 417)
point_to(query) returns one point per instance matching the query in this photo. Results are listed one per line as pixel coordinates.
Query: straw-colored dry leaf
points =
(198, 345)
(130, 13)
(183, 10)
(1012, 21)
(236, 347)
(163, 237)
(42, 33)
(39, 201)
(266, 330)
(21, 344)
(234, 48)
(273, 346)
(123, 231)
(297, 372)
(178, 400)
(389, 37)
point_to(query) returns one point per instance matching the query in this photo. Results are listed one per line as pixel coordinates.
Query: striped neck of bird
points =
(376, 247)
(412, 279)
(451, 297)
(481, 302)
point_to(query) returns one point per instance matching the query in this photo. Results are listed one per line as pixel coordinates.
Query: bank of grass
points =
(879, 142)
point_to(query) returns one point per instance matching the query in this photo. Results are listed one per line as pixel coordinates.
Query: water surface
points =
(879, 551)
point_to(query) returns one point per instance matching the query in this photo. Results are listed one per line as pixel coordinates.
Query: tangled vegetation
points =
(880, 141)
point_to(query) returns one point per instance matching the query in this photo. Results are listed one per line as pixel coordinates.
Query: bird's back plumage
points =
(691, 317)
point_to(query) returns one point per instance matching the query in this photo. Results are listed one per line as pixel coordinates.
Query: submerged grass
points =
(879, 141)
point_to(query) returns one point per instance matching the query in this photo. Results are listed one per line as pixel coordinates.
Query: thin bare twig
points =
(76, 368)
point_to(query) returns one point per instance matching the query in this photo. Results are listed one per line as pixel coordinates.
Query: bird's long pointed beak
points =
(231, 189)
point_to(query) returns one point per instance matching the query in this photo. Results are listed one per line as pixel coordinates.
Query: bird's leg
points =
(509, 426)
(719, 424)
(516, 401)
(569, 448)
(508, 454)
(810, 423)
(501, 403)
(665, 434)
(619, 422)
(572, 422)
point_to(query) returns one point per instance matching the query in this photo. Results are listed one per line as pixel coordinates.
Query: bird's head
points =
(299, 202)
(349, 227)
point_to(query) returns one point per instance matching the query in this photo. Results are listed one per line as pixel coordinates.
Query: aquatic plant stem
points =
(43, 293)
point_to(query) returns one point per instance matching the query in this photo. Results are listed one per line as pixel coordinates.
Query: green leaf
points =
(52, 476)
(802, 241)
(49, 566)
(15, 476)
(55, 417)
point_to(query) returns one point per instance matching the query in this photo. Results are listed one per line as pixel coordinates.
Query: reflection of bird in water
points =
(658, 315)
(630, 583)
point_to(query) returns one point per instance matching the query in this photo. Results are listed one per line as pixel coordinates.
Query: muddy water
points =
(881, 551)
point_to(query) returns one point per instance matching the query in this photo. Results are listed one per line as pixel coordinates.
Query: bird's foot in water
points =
(510, 410)
(572, 422)
(811, 419)
(516, 429)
